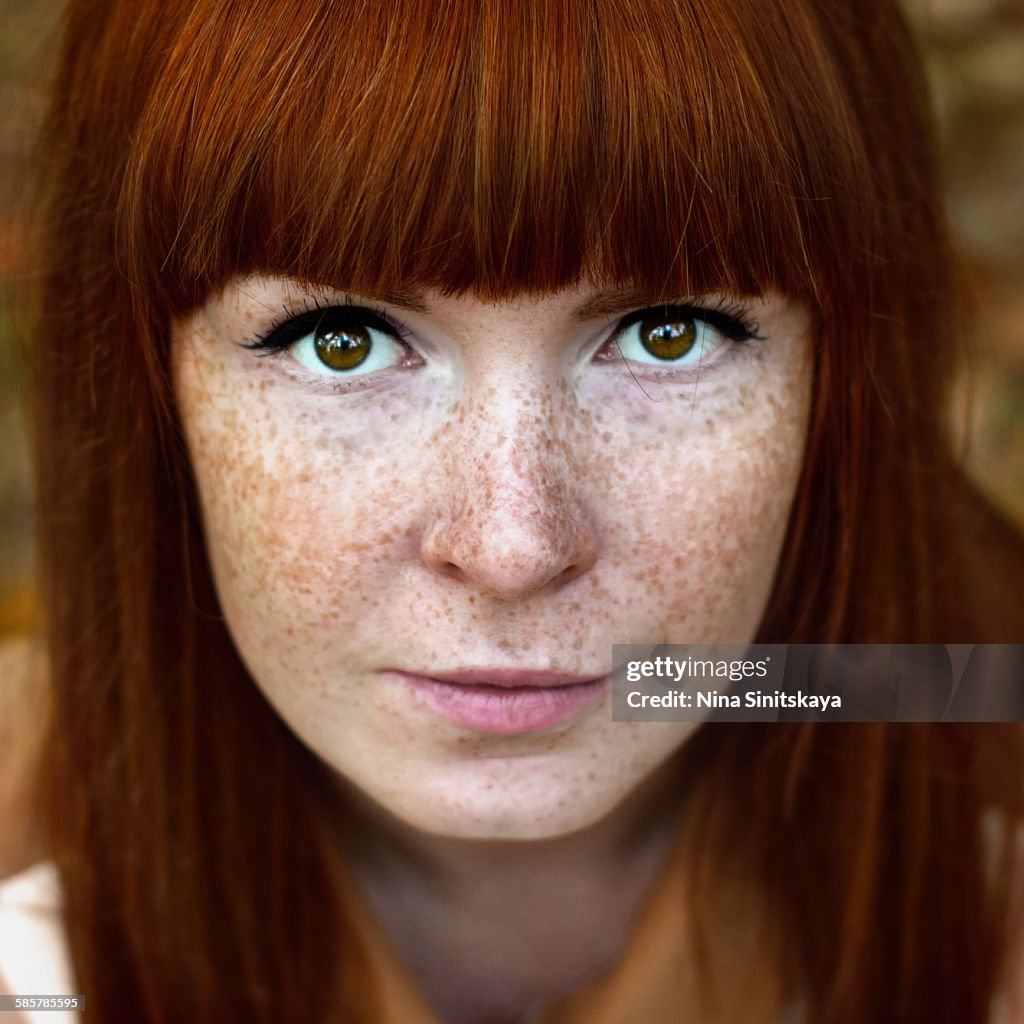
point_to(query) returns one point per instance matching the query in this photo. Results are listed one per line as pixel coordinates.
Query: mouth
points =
(506, 701)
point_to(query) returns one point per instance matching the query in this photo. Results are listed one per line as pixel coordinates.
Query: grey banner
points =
(33, 1004)
(818, 682)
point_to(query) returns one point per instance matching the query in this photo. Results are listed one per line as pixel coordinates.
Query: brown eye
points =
(339, 342)
(681, 338)
(342, 347)
(668, 338)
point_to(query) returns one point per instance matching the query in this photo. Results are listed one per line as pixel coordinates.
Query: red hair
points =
(685, 145)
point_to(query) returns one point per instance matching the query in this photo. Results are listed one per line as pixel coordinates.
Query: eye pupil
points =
(342, 348)
(668, 339)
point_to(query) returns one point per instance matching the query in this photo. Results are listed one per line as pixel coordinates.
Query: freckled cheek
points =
(710, 536)
(301, 540)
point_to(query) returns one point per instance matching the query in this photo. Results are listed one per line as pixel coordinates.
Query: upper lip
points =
(508, 677)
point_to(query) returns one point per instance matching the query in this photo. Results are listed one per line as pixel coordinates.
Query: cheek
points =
(703, 502)
(708, 533)
(294, 535)
(715, 572)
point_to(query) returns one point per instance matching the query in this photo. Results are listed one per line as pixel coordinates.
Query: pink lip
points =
(506, 677)
(506, 701)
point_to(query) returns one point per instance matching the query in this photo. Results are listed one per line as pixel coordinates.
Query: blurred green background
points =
(975, 55)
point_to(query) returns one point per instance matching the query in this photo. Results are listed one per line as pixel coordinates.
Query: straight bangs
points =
(499, 148)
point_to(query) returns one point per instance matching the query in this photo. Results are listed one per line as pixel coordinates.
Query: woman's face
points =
(448, 484)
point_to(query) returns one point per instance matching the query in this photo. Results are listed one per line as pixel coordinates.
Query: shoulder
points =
(33, 949)
(24, 709)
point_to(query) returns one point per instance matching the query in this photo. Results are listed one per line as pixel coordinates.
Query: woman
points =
(392, 361)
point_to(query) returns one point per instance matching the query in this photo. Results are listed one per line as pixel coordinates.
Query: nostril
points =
(572, 571)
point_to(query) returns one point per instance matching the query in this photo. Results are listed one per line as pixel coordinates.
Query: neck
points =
(526, 920)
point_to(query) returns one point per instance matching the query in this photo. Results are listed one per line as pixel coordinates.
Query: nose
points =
(512, 521)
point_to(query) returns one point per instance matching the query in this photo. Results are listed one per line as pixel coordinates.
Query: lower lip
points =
(504, 709)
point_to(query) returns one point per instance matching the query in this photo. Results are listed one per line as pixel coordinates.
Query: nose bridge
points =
(514, 515)
(514, 455)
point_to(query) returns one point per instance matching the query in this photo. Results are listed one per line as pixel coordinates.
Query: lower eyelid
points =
(719, 357)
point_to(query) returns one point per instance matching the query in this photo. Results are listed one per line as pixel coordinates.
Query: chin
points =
(498, 823)
(489, 810)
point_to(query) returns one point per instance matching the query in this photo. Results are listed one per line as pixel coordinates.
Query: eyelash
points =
(734, 321)
(294, 325)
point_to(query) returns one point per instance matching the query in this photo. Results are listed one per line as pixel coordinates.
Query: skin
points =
(510, 494)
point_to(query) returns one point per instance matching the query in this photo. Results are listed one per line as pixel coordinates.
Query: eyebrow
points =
(400, 297)
(611, 303)
(606, 304)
